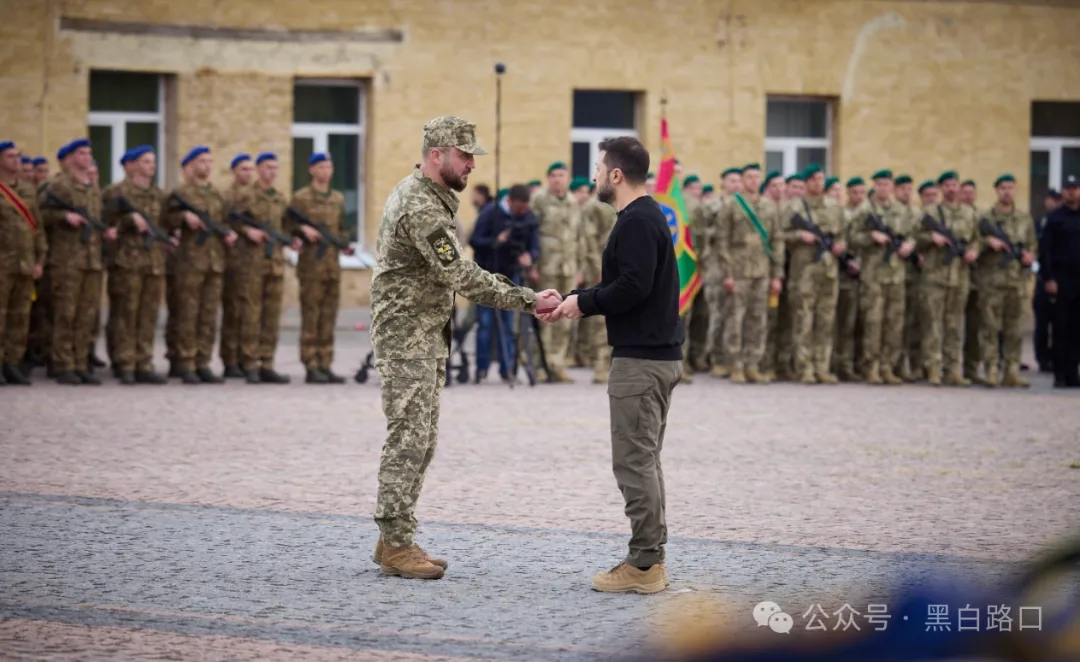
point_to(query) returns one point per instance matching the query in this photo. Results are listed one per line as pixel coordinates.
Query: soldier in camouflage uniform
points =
(834, 190)
(559, 266)
(704, 225)
(847, 302)
(320, 279)
(794, 188)
(772, 189)
(23, 250)
(581, 354)
(812, 286)
(598, 218)
(749, 250)
(199, 275)
(945, 286)
(881, 295)
(137, 275)
(420, 265)
(972, 316)
(1003, 290)
(232, 313)
(907, 365)
(696, 321)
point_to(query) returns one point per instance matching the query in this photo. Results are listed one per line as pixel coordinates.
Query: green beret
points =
(903, 179)
(535, 182)
(1004, 178)
(764, 185)
(811, 170)
(968, 182)
(708, 188)
(773, 174)
(797, 177)
(578, 182)
(830, 181)
(651, 175)
(947, 175)
(558, 165)
(855, 181)
(751, 166)
(731, 171)
(691, 179)
(925, 185)
(592, 186)
(882, 174)
(503, 192)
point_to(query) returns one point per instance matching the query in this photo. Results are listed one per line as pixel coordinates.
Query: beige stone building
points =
(918, 86)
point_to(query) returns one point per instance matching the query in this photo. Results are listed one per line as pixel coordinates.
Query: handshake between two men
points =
(551, 307)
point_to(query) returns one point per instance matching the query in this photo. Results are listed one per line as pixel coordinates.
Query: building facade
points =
(917, 86)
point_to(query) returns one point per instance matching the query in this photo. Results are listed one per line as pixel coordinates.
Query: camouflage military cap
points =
(450, 131)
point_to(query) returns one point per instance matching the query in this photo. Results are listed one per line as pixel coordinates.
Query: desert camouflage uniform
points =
(910, 366)
(847, 309)
(973, 352)
(560, 219)
(597, 218)
(704, 226)
(22, 247)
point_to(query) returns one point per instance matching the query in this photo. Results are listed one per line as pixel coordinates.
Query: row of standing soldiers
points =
(203, 249)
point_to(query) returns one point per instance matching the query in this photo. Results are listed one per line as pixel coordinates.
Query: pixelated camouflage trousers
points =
(76, 298)
(231, 317)
(40, 337)
(197, 300)
(410, 401)
(813, 307)
(714, 300)
(15, 293)
(912, 325)
(847, 317)
(1001, 310)
(259, 294)
(973, 350)
(746, 314)
(134, 301)
(319, 301)
(882, 307)
(943, 326)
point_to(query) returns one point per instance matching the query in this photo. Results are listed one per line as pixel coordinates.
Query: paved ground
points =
(234, 522)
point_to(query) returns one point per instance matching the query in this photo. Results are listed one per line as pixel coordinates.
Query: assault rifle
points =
(211, 227)
(273, 237)
(878, 224)
(327, 237)
(1012, 251)
(154, 233)
(826, 241)
(955, 247)
(92, 223)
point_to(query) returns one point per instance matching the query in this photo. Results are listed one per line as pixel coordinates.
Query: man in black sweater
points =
(1059, 266)
(638, 296)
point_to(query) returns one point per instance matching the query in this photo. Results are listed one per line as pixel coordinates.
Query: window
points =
(1055, 147)
(598, 115)
(798, 132)
(328, 116)
(127, 109)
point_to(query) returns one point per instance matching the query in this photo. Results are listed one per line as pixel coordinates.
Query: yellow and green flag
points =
(669, 196)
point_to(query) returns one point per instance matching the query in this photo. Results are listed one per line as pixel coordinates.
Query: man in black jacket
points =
(1059, 265)
(638, 296)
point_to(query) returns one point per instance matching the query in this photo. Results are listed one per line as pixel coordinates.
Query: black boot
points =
(117, 371)
(480, 376)
(175, 371)
(234, 372)
(15, 376)
(87, 377)
(149, 377)
(332, 378)
(68, 377)
(189, 377)
(316, 376)
(207, 376)
(94, 361)
(251, 376)
(271, 376)
(126, 377)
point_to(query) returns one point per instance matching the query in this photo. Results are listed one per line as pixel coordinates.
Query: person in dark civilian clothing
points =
(1041, 301)
(1059, 266)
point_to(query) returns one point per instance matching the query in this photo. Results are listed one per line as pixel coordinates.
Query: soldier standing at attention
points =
(581, 351)
(41, 172)
(199, 276)
(260, 280)
(847, 303)
(750, 251)
(23, 250)
(696, 322)
(138, 271)
(320, 279)
(111, 282)
(26, 169)
(715, 297)
(881, 296)
(795, 186)
(599, 218)
(772, 192)
(945, 286)
(812, 286)
(75, 265)
(909, 366)
(834, 190)
(231, 312)
(707, 193)
(420, 265)
(1002, 290)
(559, 265)
(972, 316)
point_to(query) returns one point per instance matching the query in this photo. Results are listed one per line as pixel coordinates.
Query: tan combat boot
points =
(808, 377)
(933, 376)
(720, 371)
(377, 557)
(625, 578)
(562, 377)
(738, 376)
(1013, 378)
(889, 377)
(955, 378)
(600, 377)
(992, 378)
(409, 562)
(847, 375)
(873, 374)
(905, 374)
(827, 378)
(755, 377)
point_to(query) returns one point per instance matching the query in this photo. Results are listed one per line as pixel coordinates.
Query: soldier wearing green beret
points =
(834, 190)
(772, 192)
(794, 186)
(909, 366)
(535, 187)
(945, 285)
(580, 341)
(846, 338)
(1003, 288)
(973, 320)
(707, 193)
(597, 220)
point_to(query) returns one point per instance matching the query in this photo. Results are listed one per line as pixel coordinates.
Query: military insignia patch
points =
(443, 246)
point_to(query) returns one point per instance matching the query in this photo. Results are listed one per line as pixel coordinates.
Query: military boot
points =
(993, 379)
(251, 376)
(808, 377)
(316, 376)
(331, 377)
(625, 578)
(906, 374)
(955, 378)
(846, 374)
(189, 377)
(379, 547)
(561, 376)
(68, 377)
(175, 371)
(687, 376)
(889, 377)
(149, 377)
(826, 378)
(720, 371)
(738, 375)
(234, 372)
(873, 374)
(600, 377)
(127, 377)
(755, 377)
(87, 377)
(271, 376)
(1013, 378)
(207, 376)
(12, 375)
(409, 562)
(933, 376)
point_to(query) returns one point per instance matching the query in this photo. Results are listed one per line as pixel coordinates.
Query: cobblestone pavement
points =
(234, 521)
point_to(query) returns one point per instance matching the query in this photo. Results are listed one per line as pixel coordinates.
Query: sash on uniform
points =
(756, 222)
(13, 198)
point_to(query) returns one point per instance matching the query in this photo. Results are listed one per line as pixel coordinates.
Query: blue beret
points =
(238, 159)
(265, 156)
(24, 159)
(318, 157)
(62, 152)
(76, 144)
(195, 153)
(39, 160)
(135, 152)
(6, 145)
(125, 157)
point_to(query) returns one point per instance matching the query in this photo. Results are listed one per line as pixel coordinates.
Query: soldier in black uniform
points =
(1060, 268)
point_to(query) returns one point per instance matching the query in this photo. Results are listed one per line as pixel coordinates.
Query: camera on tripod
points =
(520, 231)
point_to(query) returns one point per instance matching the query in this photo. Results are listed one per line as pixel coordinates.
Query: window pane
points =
(1055, 119)
(1070, 162)
(604, 109)
(101, 142)
(774, 161)
(1040, 181)
(796, 119)
(345, 153)
(302, 149)
(124, 91)
(580, 155)
(804, 156)
(326, 104)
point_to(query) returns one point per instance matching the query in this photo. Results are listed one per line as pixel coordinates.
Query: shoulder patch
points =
(443, 246)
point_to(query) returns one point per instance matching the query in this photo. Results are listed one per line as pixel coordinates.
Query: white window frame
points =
(116, 121)
(789, 146)
(319, 134)
(594, 137)
(1055, 147)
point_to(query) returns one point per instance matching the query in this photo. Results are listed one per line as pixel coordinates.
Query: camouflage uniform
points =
(559, 264)
(1002, 294)
(22, 247)
(198, 279)
(847, 309)
(597, 218)
(704, 226)
(136, 278)
(76, 274)
(944, 293)
(813, 289)
(232, 312)
(260, 282)
(910, 365)
(320, 279)
(419, 266)
(739, 253)
(40, 335)
(881, 292)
